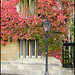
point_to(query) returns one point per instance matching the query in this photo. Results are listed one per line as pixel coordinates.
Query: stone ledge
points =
(51, 64)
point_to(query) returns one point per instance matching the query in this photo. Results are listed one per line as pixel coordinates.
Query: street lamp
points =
(46, 26)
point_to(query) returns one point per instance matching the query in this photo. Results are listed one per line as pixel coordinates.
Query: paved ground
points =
(8, 74)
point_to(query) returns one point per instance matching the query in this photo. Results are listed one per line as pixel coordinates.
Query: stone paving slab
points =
(8, 74)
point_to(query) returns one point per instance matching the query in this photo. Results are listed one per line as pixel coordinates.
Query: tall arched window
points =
(27, 7)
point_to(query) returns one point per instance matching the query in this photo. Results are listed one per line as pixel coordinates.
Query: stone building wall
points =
(10, 51)
(11, 63)
(13, 50)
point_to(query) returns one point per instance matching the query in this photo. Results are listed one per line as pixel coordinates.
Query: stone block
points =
(53, 72)
(20, 67)
(9, 51)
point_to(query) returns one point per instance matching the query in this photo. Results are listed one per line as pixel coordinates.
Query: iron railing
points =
(68, 54)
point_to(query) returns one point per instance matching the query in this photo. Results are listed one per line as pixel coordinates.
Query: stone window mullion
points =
(35, 48)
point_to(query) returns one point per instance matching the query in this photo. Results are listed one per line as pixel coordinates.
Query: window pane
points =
(27, 48)
(21, 48)
(38, 51)
(27, 8)
(32, 6)
(33, 47)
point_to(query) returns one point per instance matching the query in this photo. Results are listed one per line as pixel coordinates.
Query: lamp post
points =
(46, 26)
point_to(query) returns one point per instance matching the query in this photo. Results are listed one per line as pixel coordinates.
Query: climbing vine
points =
(16, 26)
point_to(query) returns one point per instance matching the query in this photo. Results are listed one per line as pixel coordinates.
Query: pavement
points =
(8, 74)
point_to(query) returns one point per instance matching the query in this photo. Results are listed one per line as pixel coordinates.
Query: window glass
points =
(27, 48)
(32, 6)
(33, 48)
(38, 51)
(21, 48)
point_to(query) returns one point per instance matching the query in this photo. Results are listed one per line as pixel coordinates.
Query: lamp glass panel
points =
(46, 27)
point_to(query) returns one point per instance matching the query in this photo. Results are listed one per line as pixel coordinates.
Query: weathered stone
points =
(10, 51)
(25, 68)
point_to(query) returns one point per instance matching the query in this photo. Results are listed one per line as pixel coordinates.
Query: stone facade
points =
(10, 51)
(11, 63)
(13, 50)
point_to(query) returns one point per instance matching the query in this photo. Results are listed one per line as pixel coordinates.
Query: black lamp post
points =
(46, 26)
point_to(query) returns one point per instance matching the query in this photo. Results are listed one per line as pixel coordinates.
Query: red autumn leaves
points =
(17, 27)
(56, 53)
